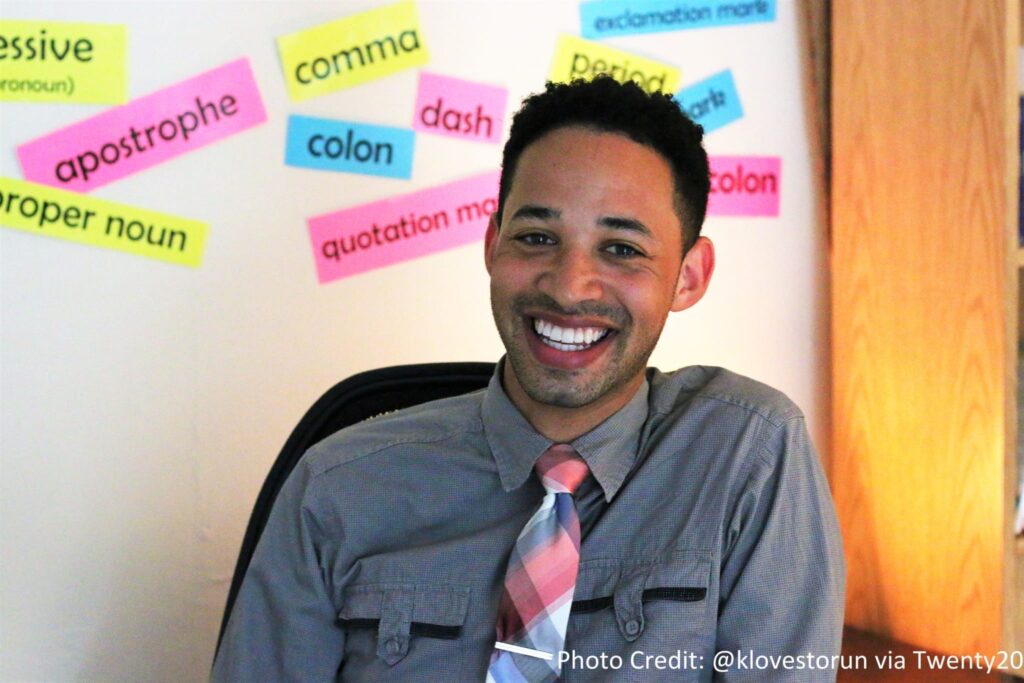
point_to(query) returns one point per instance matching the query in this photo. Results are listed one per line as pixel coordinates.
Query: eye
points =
(623, 250)
(534, 239)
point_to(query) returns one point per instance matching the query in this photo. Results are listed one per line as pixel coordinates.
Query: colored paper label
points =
(353, 50)
(353, 241)
(331, 145)
(604, 18)
(55, 61)
(146, 131)
(712, 102)
(578, 58)
(460, 109)
(744, 186)
(79, 218)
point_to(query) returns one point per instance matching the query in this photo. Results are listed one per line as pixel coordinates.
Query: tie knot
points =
(561, 469)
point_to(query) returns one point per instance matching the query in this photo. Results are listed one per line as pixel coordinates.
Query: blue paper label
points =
(332, 145)
(712, 102)
(604, 18)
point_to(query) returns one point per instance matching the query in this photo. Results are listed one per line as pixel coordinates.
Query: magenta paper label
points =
(370, 236)
(458, 108)
(744, 186)
(146, 131)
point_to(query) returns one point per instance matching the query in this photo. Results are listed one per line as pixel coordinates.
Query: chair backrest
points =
(353, 400)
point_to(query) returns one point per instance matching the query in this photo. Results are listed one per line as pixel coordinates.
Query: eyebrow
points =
(620, 223)
(542, 213)
(545, 213)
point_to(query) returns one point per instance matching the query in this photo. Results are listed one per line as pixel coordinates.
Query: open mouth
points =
(569, 338)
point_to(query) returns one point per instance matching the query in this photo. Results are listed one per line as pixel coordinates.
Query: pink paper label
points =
(744, 186)
(461, 109)
(362, 238)
(146, 131)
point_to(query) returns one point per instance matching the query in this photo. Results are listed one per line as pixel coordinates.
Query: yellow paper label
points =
(353, 50)
(53, 61)
(578, 58)
(80, 218)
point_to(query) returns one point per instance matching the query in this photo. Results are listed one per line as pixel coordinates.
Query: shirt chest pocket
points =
(394, 630)
(658, 607)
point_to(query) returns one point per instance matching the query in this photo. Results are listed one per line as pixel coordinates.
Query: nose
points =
(573, 277)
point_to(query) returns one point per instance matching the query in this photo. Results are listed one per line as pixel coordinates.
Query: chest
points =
(423, 605)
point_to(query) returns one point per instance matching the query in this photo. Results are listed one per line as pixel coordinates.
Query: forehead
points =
(577, 167)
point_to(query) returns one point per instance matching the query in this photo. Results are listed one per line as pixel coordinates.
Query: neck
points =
(561, 424)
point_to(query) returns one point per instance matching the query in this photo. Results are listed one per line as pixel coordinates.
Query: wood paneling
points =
(1013, 576)
(920, 294)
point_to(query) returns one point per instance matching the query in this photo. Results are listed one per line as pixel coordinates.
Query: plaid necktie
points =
(541, 577)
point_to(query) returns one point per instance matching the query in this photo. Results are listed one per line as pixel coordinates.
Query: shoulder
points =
(427, 423)
(720, 392)
(752, 432)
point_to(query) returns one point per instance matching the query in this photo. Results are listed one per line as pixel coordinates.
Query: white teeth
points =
(568, 338)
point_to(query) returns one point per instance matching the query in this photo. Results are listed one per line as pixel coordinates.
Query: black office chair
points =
(353, 400)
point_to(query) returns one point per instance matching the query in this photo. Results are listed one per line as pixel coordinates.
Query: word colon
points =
(334, 148)
(348, 146)
(744, 186)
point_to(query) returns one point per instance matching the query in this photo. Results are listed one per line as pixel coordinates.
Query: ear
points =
(694, 274)
(490, 243)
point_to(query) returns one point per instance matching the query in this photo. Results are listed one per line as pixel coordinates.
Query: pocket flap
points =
(401, 610)
(684, 577)
(441, 604)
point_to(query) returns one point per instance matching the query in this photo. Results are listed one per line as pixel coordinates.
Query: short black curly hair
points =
(654, 120)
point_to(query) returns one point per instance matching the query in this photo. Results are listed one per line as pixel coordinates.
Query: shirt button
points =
(392, 646)
(632, 627)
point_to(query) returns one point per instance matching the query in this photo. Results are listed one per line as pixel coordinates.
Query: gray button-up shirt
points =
(707, 527)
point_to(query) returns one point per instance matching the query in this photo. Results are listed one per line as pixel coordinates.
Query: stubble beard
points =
(571, 388)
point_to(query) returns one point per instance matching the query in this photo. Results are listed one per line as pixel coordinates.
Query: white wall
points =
(142, 403)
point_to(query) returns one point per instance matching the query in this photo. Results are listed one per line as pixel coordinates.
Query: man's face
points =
(585, 267)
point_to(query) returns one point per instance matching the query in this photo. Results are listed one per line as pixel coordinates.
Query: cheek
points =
(508, 276)
(647, 298)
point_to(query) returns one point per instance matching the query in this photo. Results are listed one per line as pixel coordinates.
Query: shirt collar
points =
(609, 449)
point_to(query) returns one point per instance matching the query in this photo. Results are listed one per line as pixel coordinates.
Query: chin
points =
(556, 387)
(561, 397)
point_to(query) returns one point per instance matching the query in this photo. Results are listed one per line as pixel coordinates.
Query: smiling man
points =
(584, 518)
(586, 269)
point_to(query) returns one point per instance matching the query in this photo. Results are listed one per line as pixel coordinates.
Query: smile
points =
(568, 338)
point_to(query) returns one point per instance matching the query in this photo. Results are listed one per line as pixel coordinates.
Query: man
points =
(584, 517)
